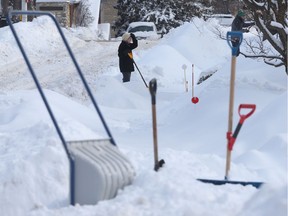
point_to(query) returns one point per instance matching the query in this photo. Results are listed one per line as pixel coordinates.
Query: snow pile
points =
(44, 32)
(189, 44)
(34, 177)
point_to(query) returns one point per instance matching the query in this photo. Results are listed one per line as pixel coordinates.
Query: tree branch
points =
(262, 56)
(274, 64)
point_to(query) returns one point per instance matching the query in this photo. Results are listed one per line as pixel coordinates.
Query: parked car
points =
(248, 25)
(143, 30)
(224, 19)
(2, 21)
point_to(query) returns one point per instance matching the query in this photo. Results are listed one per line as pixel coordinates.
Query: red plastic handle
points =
(245, 116)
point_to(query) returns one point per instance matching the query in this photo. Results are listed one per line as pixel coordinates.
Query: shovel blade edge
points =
(222, 182)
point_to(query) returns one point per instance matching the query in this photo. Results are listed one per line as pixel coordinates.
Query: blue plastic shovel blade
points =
(222, 182)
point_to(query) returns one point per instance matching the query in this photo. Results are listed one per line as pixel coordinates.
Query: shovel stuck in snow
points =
(152, 89)
(97, 168)
(232, 138)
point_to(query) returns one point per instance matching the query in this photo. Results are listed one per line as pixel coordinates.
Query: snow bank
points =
(192, 138)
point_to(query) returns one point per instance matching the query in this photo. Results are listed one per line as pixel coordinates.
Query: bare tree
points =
(84, 16)
(270, 17)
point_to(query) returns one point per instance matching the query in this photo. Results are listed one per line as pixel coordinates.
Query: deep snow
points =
(34, 178)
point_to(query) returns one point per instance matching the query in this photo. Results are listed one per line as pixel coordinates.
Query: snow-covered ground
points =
(34, 176)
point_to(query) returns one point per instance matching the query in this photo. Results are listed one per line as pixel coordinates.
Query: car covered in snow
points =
(223, 19)
(143, 30)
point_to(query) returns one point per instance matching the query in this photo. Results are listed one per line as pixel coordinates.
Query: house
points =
(5, 7)
(65, 11)
(9, 4)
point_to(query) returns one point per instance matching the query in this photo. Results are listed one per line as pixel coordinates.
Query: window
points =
(51, 8)
(141, 28)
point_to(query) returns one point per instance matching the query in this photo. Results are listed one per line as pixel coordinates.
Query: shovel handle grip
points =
(153, 89)
(130, 55)
(232, 36)
(232, 138)
(243, 117)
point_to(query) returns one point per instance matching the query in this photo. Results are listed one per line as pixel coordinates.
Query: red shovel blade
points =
(195, 100)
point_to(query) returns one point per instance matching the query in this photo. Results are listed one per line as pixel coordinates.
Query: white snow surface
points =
(34, 170)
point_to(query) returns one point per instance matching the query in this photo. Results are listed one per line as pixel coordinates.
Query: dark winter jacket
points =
(237, 24)
(125, 62)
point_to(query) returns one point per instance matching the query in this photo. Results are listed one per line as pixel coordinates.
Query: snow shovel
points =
(97, 168)
(230, 37)
(152, 89)
(131, 56)
(231, 140)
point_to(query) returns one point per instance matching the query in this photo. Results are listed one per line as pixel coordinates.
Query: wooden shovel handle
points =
(153, 89)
